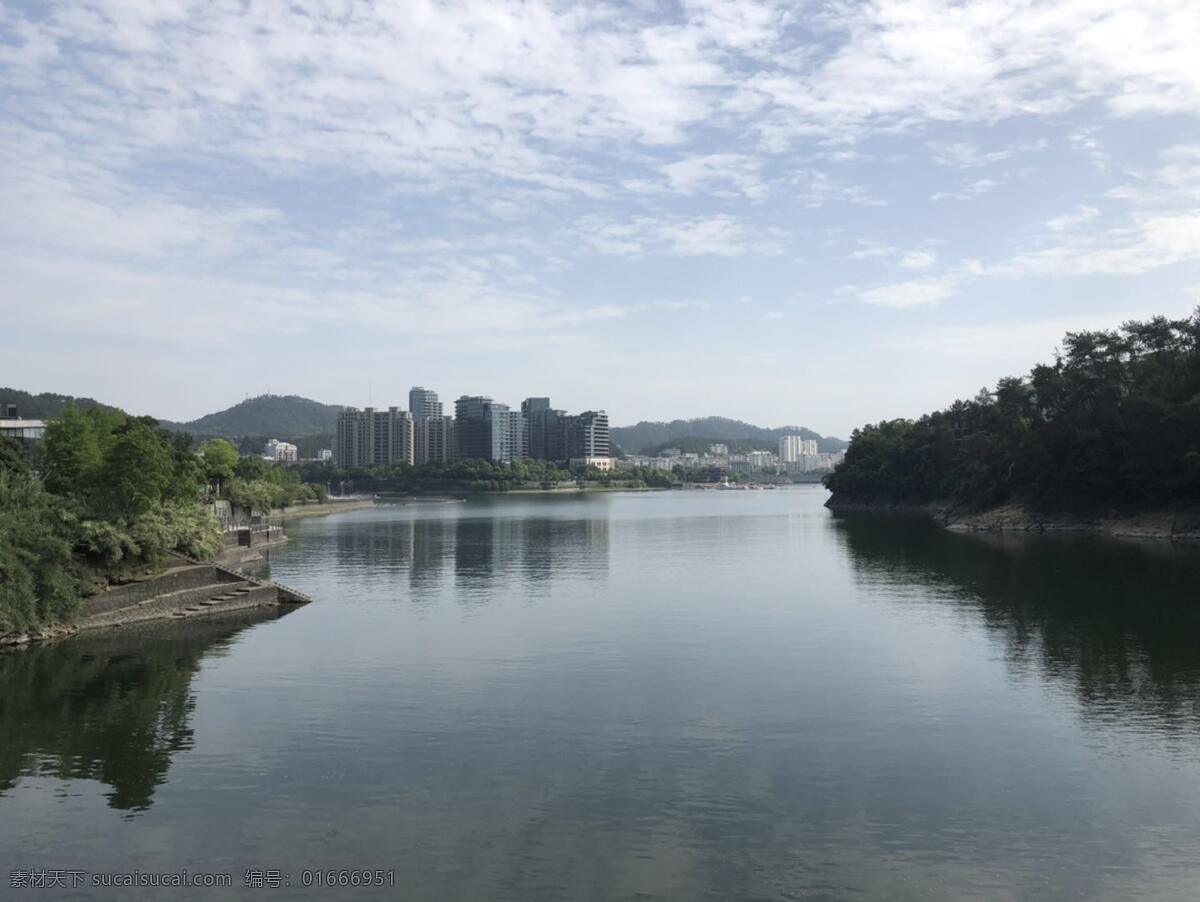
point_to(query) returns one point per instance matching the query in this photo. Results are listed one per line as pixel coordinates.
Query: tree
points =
(138, 470)
(72, 453)
(220, 458)
(1114, 422)
(251, 467)
(13, 457)
(39, 581)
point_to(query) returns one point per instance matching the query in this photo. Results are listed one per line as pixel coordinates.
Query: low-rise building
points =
(600, 463)
(281, 452)
(25, 431)
(762, 460)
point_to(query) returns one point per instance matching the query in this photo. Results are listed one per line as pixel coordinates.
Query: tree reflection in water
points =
(113, 707)
(1116, 620)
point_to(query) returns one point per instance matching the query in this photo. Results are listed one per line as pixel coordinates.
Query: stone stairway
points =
(191, 590)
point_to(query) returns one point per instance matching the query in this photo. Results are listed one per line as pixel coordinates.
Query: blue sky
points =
(821, 213)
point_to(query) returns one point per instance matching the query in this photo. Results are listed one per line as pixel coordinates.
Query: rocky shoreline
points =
(18, 638)
(1175, 525)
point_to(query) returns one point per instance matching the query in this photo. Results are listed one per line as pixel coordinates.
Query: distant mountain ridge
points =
(265, 415)
(42, 406)
(292, 417)
(647, 435)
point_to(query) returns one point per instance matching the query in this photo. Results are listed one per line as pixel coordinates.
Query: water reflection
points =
(463, 550)
(1114, 620)
(114, 707)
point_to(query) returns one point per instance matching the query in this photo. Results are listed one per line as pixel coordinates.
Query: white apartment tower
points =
(793, 447)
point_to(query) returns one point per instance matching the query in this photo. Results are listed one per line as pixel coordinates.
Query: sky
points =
(819, 214)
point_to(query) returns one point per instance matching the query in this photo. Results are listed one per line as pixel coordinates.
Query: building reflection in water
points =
(471, 553)
(1116, 621)
(114, 707)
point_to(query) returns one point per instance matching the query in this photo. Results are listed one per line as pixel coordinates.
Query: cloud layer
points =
(562, 174)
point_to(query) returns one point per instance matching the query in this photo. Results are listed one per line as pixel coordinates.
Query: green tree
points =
(251, 467)
(1113, 422)
(39, 580)
(138, 470)
(72, 453)
(220, 459)
(13, 457)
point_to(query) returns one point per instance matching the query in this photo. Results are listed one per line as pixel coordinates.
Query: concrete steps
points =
(215, 597)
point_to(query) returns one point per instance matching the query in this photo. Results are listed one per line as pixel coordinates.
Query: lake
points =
(638, 696)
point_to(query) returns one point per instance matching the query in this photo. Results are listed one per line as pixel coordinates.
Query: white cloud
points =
(966, 154)
(1175, 180)
(900, 63)
(468, 167)
(718, 174)
(918, 259)
(719, 235)
(1032, 340)
(1148, 242)
(917, 293)
(972, 190)
(1066, 222)
(868, 249)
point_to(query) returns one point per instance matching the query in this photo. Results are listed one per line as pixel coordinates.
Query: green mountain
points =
(43, 406)
(646, 435)
(272, 416)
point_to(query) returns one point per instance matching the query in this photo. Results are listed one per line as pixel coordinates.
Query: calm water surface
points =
(689, 695)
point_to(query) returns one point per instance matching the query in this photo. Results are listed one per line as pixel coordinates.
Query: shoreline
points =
(1181, 525)
(322, 509)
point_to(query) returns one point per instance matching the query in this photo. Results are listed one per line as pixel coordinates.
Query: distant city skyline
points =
(824, 214)
(480, 428)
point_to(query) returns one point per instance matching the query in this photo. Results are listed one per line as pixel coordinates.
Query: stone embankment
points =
(1178, 525)
(335, 505)
(188, 589)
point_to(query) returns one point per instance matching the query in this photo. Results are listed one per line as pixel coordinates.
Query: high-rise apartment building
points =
(793, 447)
(587, 437)
(516, 444)
(423, 402)
(437, 435)
(533, 412)
(372, 438)
(484, 429)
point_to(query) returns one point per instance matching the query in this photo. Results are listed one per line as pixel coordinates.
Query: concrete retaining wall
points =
(167, 605)
(133, 593)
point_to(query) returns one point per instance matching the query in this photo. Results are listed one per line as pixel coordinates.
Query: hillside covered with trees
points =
(274, 416)
(647, 435)
(45, 405)
(1112, 424)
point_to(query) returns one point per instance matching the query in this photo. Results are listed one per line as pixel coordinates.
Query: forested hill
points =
(1112, 424)
(45, 405)
(266, 415)
(647, 435)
